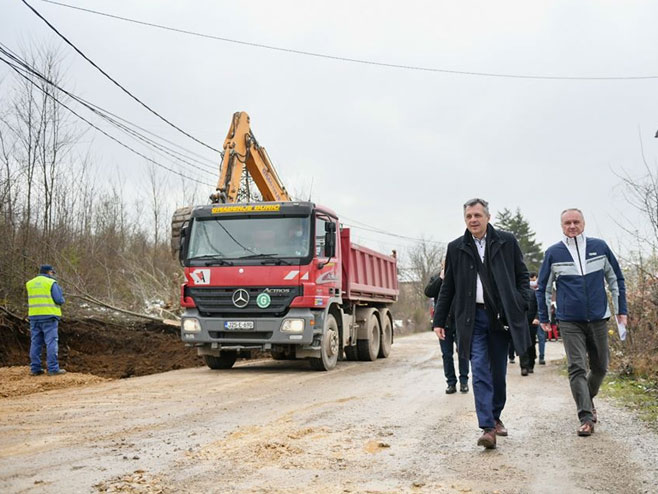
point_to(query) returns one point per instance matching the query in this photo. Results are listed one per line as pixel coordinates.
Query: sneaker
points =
(531, 370)
(451, 389)
(57, 372)
(37, 373)
(524, 371)
(542, 361)
(463, 388)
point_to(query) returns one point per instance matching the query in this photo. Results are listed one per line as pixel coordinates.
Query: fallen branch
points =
(92, 300)
(12, 315)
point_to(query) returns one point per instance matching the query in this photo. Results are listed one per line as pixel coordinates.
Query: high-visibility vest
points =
(39, 299)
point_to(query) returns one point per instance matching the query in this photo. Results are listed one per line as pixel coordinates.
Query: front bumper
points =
(266, 331)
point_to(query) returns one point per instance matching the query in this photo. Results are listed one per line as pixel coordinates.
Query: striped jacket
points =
(580, 297)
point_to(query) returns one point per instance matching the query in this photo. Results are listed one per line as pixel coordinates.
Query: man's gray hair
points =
(477, 200)
(572, 209)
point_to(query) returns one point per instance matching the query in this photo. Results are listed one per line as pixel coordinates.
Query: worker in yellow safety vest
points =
(44, 300)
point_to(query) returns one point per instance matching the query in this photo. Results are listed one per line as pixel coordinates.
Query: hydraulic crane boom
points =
(242, 149)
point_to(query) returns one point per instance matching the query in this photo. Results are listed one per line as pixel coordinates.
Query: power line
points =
(105, 115)
(18, 71)
(115, 82)
(396, 235)
(355, 60)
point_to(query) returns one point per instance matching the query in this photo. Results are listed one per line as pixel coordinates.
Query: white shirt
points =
(581, 264)
(481, 244)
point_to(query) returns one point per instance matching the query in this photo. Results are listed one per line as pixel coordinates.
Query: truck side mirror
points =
(182, 248)
(330, 240)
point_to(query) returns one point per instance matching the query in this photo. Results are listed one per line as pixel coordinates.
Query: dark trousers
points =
(488, 369)
(529, 357)
(447, 351)
(585, 341)
(541, 342)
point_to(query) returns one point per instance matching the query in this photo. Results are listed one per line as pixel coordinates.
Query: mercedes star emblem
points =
(240, 298)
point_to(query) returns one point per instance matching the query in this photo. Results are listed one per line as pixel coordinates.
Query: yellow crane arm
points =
(241, 149)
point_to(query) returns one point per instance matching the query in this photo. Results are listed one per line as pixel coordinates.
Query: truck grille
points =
(218, 302)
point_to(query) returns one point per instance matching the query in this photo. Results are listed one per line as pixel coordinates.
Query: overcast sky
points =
(396, 149)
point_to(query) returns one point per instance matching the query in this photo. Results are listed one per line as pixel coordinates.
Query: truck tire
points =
(351, 353)
(387, 338)
(329, 346)
(224, 361)
(181, 215)
(369, 349)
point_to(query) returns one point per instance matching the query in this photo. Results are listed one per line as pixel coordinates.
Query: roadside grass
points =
(639, 394)
(636, 393)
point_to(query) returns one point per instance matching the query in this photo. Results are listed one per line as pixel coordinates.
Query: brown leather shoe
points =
(500, 428)
(586, 429)
(488, 439)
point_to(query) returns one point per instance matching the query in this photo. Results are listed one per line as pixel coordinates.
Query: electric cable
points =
(356, 60)
(103, 114)
(115, 81)
(176, 172)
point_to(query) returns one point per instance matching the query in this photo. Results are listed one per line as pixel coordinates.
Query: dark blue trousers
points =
(44, 331)
(489, 369)
(447, 351)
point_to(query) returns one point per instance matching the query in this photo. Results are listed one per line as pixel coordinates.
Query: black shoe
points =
(451, 389)
(524, 371)
(37, 373)
(511, 361)
(531, 370)
(542, 361)
(463, 388)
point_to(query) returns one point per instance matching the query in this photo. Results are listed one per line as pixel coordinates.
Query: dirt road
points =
(278, 427)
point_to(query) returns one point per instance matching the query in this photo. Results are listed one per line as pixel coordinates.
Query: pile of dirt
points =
(17, 381)
(106, 349)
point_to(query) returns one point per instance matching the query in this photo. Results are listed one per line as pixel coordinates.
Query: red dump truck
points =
(283, 277)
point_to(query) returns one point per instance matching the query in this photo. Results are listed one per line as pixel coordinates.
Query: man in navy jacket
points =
(579, 266)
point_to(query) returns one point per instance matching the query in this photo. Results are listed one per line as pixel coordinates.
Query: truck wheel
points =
(369, 349)
(387, 338)
(224, 361)
(351, 353)
(329, 346)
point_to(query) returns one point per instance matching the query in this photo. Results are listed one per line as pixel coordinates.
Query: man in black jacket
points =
(448, 343)
(529, 357)
(486, 282)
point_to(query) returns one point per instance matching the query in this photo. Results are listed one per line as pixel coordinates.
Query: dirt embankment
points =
(102, 349)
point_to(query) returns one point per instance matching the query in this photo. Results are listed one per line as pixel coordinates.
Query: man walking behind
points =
(486, 281)
(44, 299)
(578, 266)
(448, 342)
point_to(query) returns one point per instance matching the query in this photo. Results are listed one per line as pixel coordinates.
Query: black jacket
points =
(532, 307)
(432, 290)
(433, 286)
(459, 286)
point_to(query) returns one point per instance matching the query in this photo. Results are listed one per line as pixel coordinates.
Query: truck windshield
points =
(254, 239)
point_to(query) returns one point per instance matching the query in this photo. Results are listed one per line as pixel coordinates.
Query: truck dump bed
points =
(367, 275)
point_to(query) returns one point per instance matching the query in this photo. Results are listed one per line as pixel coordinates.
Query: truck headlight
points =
(191, 325)
(292, 326)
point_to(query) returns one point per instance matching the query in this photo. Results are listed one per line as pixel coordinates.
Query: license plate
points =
(239, 325)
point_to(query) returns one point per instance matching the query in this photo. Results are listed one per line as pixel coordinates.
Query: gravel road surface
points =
(278, 427)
